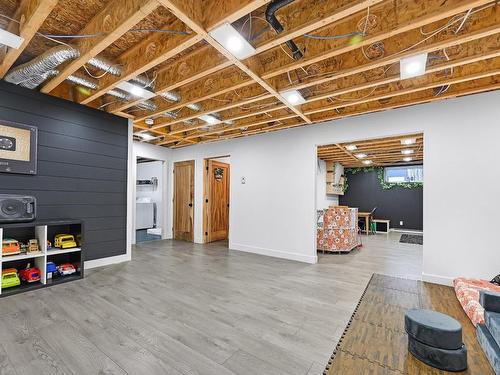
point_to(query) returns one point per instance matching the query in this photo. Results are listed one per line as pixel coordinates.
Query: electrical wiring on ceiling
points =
(462, 18)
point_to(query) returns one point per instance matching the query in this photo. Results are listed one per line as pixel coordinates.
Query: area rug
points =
(375, 342)
(412, 238)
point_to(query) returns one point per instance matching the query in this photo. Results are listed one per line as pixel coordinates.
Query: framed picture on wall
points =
(18, 148)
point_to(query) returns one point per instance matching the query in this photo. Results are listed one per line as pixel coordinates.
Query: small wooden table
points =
(366, 217)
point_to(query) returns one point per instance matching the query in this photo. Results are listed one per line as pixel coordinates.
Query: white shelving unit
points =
(40, 259)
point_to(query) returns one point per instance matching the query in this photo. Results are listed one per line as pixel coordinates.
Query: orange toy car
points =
(10, 247)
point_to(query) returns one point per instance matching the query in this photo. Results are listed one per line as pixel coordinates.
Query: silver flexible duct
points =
(33, 73)
(37, 68)
(144, 81)
(145, 104)
(195, 107)
(34, 81)
(83, 81)
(105, 65)
(171, 96)
(173, 116)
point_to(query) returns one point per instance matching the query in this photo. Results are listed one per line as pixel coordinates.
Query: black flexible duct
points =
(272, 8)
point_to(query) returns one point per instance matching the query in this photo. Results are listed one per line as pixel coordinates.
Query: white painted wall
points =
(146, 171)
(323, 200)
(274, 212)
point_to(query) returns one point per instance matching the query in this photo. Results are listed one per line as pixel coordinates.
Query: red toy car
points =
(66, 269)
(30, 274)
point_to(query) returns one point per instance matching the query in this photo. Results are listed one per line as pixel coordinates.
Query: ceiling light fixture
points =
(229, 38)
(351, 147)
(293, 97)
(367, 162)
(146, 136)
(407, 159)
(407, 151)
(361, 156)
(10, 40)
(136, 90)
(149, 121)
(210, 119)
(408, 141)
(413, 66)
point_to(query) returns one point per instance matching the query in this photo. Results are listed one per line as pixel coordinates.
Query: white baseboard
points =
(436, 279)
(414, 231)
(89, 264)
(312, 259)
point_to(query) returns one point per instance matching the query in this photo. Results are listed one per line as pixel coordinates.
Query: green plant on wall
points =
(380, 174)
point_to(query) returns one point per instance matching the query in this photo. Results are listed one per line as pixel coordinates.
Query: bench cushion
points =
(434, 328)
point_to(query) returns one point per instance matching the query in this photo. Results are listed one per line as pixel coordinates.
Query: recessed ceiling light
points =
(413, 66)
(10, 40)
(367, 162)
(361, 156)
(351, 147)
(149, 121)
(210, 119)
(293, 97)
(408, 141)
(407, 159)
(407, 151)
(146, 136)
(227, 36)
(136, 90)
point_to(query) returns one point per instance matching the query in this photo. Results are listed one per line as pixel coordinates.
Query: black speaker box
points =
(17, 208)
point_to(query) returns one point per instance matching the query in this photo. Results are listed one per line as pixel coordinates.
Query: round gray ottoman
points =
(436, 339)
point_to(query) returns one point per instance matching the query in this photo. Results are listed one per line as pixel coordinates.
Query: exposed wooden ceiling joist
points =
(29, 17)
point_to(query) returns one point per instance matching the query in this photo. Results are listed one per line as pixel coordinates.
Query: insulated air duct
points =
(33, 73)
(272, 8)
(83, 81)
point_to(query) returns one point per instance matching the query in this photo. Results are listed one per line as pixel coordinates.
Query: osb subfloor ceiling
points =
(349, 60)
(397, 150)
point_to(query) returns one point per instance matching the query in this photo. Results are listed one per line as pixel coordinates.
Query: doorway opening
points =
(369, 194)
(216, 199)
(149, 200)
(183, 204)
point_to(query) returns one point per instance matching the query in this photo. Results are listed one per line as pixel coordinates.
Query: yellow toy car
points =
(64, 241)
(10, 278)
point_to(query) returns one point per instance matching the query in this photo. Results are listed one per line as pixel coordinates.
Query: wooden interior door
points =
(183, 200)
(216, 201)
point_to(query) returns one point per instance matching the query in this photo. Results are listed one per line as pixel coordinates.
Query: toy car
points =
(10, 247)
(64, 241)
(66, 269)
(10, 278)
(30, 274)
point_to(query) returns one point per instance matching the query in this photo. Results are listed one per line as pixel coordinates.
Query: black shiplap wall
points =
(82, 166)
(395, 204)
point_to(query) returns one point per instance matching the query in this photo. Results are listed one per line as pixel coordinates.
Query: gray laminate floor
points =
(180, 308)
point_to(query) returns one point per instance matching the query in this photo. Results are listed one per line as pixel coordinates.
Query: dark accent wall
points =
(395, 204)
(82, 166)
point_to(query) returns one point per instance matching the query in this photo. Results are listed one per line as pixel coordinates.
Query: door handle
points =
(190, 205)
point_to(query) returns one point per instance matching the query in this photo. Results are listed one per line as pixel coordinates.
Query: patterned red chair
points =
(467, 291)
